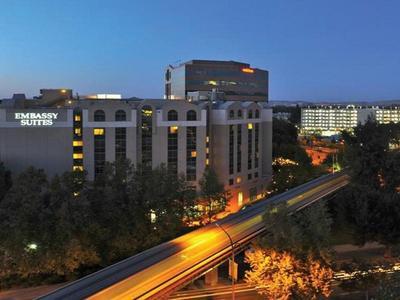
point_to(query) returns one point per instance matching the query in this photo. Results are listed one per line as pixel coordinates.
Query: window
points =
(256, 175)
(99, 150)
(191, 153)
(250, 114)
(172, 115)
(231, 114)
(120, 115)
(98, 131)
(257, 114)
(99, 116)
(173, 150)
(120, 143)
(249, 176)
(191, 115)
(231, 181)
(78, 156)
(77, 143)
(239, 149)
(231, 148)
(249, 147)
(240, 114)
(256, 144)
(147, 137)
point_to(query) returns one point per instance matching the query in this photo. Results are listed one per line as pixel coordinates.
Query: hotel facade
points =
(58, 133)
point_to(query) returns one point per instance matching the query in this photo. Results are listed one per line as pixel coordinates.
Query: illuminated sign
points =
(247, 70)
(36, 119)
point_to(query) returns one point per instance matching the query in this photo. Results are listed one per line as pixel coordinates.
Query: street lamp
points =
(233, 259)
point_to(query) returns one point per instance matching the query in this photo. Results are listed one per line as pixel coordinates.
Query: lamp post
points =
(233, 259)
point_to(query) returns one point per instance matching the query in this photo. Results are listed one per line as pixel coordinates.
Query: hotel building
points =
(331, 120)
(58, 133)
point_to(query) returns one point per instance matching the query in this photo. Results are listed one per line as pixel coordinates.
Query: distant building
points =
(282, 115)
(237, 80)
(59, 133)
(331, 120)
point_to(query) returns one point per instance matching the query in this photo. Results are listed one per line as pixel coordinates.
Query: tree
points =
(212, 193)
(280, 275)
(369, 205)
(5, 180)
(304, 233)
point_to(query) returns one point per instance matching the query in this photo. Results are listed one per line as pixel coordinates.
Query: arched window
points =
(120, 115)
(99, 115)
(191, 115)
(240, 114)
(172, 115)
(231, 114)
(250, 114)
(257, 113)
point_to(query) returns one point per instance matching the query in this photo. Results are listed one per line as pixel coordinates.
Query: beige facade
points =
(185, 136)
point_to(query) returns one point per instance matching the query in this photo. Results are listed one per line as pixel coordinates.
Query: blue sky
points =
(314, 49)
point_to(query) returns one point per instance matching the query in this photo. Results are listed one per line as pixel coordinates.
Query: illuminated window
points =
(207, 139)
(77, 168)
(193, 154)
(238, 180)
(78, 155)
(77, 143)
(240, 199)
(98, 131)
(77, 118)
(207, 150)
(207, 161)
(250, 126)
(77, 131)
(173, 129)
(247, 70)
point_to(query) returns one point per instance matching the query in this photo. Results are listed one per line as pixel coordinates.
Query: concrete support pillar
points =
(211, 278)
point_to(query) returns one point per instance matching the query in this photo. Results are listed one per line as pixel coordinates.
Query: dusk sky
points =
(313, 49)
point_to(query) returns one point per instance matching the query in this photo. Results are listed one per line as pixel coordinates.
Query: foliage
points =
(280, 275)
(370, 205)
(5, 180)
(212, 193)
(285, 147)
(63, 227)
(389, 287)
(305, 233)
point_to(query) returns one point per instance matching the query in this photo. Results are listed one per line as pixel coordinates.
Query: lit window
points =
(250, 126)
(207, 150)
(77, 143)
(78, 155)
(63, 91)
(247, 70)
(240, 199)
(173, 129)
(194, 154)
(238, 180)
(77, 118)
(78, 131)
(98, 131)
(207, 161)
(77, 168)
(207, 139)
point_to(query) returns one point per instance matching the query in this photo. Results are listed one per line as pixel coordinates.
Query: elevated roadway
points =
(157, 272)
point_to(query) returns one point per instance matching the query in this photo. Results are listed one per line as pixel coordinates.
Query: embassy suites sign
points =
(36, 119)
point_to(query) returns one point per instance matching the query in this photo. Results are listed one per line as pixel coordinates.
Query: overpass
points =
(158, 271)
